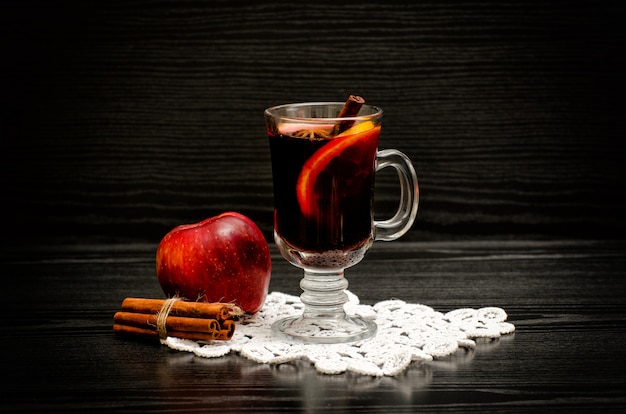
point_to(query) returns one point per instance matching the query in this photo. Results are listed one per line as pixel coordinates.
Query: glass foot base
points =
(318, 330)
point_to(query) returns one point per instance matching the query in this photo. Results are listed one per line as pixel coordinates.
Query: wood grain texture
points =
(566, 299)
(123, 119)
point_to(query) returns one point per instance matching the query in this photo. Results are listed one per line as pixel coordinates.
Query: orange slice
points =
(355, 146)
(362, 127)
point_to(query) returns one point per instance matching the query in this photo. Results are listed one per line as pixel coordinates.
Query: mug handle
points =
(401, 222)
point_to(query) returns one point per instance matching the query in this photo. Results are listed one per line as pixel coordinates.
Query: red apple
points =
(221, 259)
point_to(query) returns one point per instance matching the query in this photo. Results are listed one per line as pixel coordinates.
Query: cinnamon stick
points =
(158, 318)
(350, 109)
(227, 330)
(137, 332)
(218, 311)
(172, 323)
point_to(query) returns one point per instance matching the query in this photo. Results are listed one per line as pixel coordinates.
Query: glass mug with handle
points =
(323, 168)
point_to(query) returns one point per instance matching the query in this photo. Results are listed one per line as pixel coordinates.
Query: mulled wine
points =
(323, 187)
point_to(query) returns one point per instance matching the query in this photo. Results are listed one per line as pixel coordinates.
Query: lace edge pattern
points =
(407, 332)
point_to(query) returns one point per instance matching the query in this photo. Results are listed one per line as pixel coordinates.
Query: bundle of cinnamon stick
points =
(160, 318)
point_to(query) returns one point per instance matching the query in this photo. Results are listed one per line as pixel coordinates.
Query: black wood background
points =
(121, 120)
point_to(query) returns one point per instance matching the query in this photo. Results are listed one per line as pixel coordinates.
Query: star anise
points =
(311, 133)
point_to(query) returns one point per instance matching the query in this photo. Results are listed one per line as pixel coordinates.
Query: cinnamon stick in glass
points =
(350, 109)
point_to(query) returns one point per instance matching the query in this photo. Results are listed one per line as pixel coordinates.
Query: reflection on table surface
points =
(564, 298)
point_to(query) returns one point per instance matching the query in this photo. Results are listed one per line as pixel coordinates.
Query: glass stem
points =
(324, 294)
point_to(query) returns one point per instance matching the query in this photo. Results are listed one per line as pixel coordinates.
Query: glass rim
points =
(376, 112)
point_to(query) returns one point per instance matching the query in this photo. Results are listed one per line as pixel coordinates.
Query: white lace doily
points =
(407, 332)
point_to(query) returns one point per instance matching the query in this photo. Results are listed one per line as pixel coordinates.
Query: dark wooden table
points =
(566, 299)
